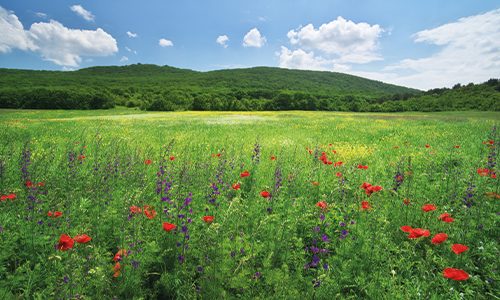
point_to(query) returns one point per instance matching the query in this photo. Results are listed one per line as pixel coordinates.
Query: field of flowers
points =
(124, 204)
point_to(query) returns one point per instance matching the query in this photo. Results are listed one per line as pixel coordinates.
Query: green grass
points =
(280, 238)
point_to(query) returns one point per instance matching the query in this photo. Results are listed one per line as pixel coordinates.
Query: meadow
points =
(129, 204)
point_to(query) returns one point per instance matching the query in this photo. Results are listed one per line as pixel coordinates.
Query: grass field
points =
(302, 224)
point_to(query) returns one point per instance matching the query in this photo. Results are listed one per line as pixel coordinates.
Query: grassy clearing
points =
(95, 170)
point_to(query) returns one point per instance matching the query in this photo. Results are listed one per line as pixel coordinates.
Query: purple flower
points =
(322, 217)
(233, 254)
(342, 224)
(352, 222)
(181, 258)
(317, 229)
(480, 226)
(325, 238)
(65, 279)
(184, 229)
(325, 267)
(242, 250)
(257, 274)
(344, 232)
(200, 269)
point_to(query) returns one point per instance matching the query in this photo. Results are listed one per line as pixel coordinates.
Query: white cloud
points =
(130, 34)
(65, 46)
(253, 39)
(12, 33)
(470, 53)
(124, 58)
(128, 49)
(165, 43)
(41, 15)
(89, 60)
(299, 59)
(354, 43)
(262, 19)
(67, 69)
(222, 39)
(87, 15)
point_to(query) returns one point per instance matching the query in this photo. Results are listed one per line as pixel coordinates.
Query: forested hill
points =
(142, 75)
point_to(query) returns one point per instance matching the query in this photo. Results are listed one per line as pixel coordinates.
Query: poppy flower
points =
(315, 183)
(264, 194)
(81, 157)
(245, 174)
(490, 142)
(365, 167)
(377, 188)
(429, 207)
(457, 248)
(55, 215)
(120, 255)
(457, 146)
(417, 232)
(213, 155)
(310, 152)
(3, 197)
(172, 158)
(307, 148)
(321, 204)
(494, 176)
(492, 194)
(12, 196)
(272, 158)
(322, 158)
(82, 238)
(168, 226)
(28, 184)
(65, 243)
(208, 219)
(407, 201)
(433, 152)
(339, 174)
(439, 238)
(370, 190)
(117, 269)
(334, 151)
(396, 147)
(338, 164)
(455, 274)
(329, 162)
(329, 144)
(218, 155)
(427, 146)
(134, 209)
(236, 186)
(483, 172)
(365, 185)
(365, 205)
(151, 214)
(446, 218)
(148, 161)
(360, 167)
(406, 228)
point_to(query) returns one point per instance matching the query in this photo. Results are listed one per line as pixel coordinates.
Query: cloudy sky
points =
(422, 44)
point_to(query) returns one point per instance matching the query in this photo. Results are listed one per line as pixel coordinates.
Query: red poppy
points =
(117, 269)
(245, 174)
(400, 177)
(264, 194)
(172, 158)
(134, 209)
(213, 155)
(334, 151)
(28, 184)
(3, 198)
(208, 219)
(218, 155)
(65, 243)
(310, 152)
(151, 214)
(307, 148)
(315, 183)
(289, 176)
(457, 146)
(12, 196)
(236, 186)
(329, 144)
(494, 176)
(365, 205)
(455, 274)
(377, 188)
(321, 204)
(120, 255)
(396, 147)
(427, 146)
(360, 167)
(339, 174)
(55, 215)
(417, 232)
(446, 218)
(483, 172)
(432, 152)
(490, 142)
(40, 184)
(407, 201)
(429, 207)
(492, 194)
(370, 190)
(365, 185)
(457, 248)
(439, 238)
(168, 226)
(272, 158)
(148, 161)
(82, 238)
(328, 162)
(406, 228)
(338, 164)
(322, 158)
(81, 157)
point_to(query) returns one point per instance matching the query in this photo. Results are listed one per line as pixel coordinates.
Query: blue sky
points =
(420, 44)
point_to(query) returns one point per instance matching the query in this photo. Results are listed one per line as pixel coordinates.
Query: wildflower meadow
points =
(128, 204)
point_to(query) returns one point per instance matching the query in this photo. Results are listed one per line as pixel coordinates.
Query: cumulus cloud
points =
(354, 43)
(299, 59)
(53, 41)
(12, 33)
(124, 58)
(253, 39)
(222, 39)
(470, 52)
(87, 15)
(130, 34)
(165, 43)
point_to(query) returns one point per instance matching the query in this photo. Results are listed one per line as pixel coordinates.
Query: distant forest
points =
(155, 88)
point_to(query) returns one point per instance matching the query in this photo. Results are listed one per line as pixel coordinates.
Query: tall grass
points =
(93, 168)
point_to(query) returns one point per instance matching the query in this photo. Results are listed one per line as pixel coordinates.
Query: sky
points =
(420, 44)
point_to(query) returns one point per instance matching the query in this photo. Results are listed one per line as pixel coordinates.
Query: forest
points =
(165, 88)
